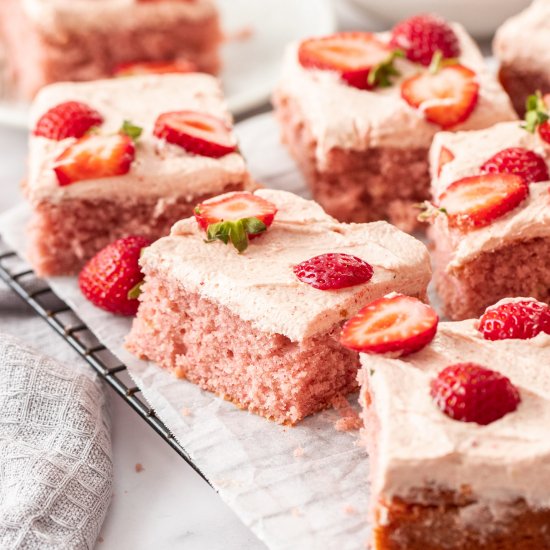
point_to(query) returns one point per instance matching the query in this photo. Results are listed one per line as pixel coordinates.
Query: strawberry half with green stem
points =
(446, 93)
(155, 67)
(476, 201)
(537, 115)
(362, 60)
(68, 119)
(235, 218)
(111, 279)
(196, 132)
(395, 324)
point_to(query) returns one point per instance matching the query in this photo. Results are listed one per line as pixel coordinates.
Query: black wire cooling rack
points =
(47, 305)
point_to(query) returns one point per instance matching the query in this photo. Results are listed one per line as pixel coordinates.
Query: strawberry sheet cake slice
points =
(358, 112)
(126, 156)
(521, 46)
(93, 39)
(457, 428)
(491, 216)
(256, 320)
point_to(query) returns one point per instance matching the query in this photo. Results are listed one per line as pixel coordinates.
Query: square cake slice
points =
(94, 178)
(494, 240)
(457, 435)
(250, 327)
(49, 41)
(521, 46)
(359, 119)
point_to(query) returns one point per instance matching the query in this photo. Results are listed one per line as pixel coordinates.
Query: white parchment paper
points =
(297, 488)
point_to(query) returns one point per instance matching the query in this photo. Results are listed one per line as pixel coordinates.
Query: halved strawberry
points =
(235, 217)
(517, 160)
(446, 96)
(395, 324)
(445, 156)
(476, 201)
(362, 60)
(155, 67)
(94, 157)
(69, 119)
(196, 132)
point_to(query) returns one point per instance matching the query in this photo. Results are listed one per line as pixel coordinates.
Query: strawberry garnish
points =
(476, 201)
(446, 94)
(362, 60)
(471, 393)
(537, 115)
(196, 132)
(155, 67)
(333, 271)
(517, 160)
(111, 279)
(423, 35)
(94, 157)
(394, 324)
(235, 217)
(445, 156)
(69, 119)
(521, 319)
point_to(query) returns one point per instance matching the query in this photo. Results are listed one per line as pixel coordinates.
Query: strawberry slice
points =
(447, 96)
(235, 217)
(476, 201)
(196, 132)
(445, 156)
(362, 60)
(394, 324)
(94, 157)
(155, 67)
(68, 119)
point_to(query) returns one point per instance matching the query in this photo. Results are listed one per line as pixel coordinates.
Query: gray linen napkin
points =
(55, 451)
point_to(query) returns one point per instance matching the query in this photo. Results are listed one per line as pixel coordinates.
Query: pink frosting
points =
(529, 220)
(420, 447)
(160, 169)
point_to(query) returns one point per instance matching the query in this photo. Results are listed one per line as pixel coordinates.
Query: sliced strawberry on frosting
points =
(520, 161)
(235, 218)
(362, 60)
(94, 157)
(196, 132)
(476, 201)
(445, 156)
(155, 67)
(446, 95)
(68, 119)
(395, 324)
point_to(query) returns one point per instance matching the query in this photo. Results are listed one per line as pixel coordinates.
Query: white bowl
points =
(480, 17)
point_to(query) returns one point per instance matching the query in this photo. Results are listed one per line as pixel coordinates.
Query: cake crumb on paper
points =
(296, 512)
(350, 510)
(186, 411)
(298, 452)
(139, 468)
(239, 35)
(350, 419)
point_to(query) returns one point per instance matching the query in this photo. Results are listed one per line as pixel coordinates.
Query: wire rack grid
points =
(46, 304)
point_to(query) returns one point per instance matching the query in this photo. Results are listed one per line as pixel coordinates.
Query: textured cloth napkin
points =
(55, 452)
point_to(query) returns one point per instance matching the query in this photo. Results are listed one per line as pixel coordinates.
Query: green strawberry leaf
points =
(235, 232)
(381, 74)
(536, 112)
(134, 292)
(131, 130)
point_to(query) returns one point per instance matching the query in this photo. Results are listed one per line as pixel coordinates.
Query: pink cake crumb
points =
(350, 510)
(186, 411)
(298, 452)
(139, 468)
(350, 420)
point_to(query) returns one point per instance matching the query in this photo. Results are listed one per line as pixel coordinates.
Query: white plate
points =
(251, 65)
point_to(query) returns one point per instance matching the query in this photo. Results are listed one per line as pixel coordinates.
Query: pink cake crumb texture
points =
(64, 235)
(210, 346)
(349, 418)
(518, 269)
(358, 186)
(95, 52)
